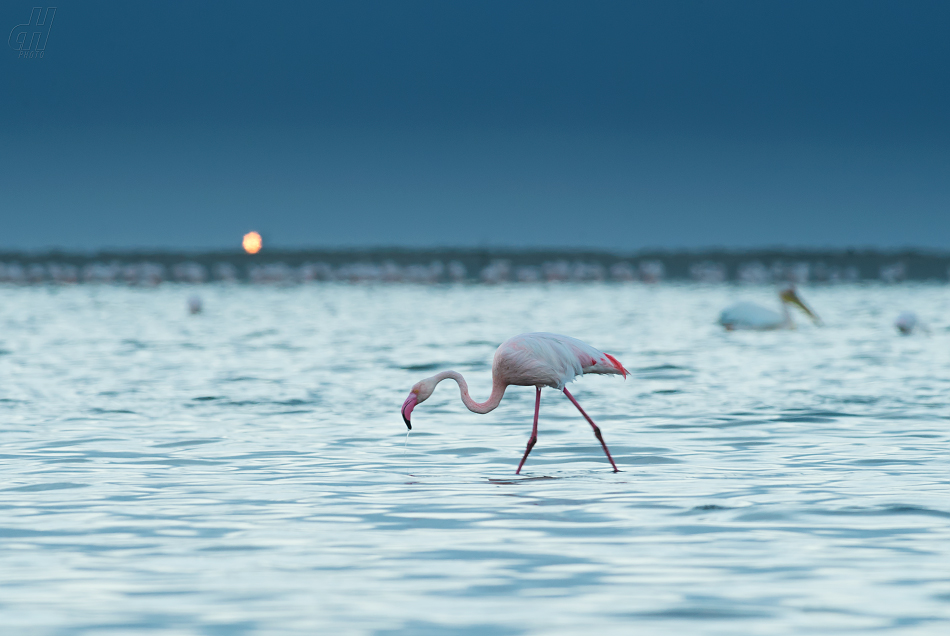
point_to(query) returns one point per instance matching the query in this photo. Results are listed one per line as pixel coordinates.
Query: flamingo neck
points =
(497, 392)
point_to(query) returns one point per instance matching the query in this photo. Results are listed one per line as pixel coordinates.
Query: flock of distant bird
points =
(552, 360)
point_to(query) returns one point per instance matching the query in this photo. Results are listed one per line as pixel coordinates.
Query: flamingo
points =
(530, 359)
(746, 315)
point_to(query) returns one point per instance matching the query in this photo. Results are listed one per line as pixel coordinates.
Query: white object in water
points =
(908, 323)
(749, 316)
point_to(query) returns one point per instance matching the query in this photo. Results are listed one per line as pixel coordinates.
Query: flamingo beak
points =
(407, 407)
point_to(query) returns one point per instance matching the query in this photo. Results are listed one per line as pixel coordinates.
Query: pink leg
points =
(596, 430)
(534, 431)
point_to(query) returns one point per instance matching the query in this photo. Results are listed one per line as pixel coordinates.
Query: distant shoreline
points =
(474, 265)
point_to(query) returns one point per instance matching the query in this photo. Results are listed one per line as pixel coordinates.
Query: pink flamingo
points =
(531, 359)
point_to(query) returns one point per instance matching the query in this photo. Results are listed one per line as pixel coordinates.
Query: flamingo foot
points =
(531, 443)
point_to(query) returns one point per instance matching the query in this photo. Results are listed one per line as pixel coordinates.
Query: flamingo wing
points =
(550, 359)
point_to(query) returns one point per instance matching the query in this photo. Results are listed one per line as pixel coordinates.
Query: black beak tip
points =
(406, 420)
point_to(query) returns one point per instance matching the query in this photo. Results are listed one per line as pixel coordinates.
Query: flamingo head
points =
(420, 393)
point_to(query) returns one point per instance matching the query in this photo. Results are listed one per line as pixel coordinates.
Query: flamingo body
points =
(549, 359)
(530, 359)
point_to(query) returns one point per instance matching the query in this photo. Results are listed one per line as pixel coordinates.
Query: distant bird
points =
(908, 323)
(194, 304)
(531, 359)
(747, 315)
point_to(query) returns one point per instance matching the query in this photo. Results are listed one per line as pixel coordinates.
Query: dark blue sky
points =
(620, 125)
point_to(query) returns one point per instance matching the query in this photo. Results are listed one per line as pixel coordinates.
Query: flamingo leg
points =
(596, 429)
(534, 431)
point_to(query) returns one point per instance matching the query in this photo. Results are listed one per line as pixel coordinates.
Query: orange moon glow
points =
(252, 243)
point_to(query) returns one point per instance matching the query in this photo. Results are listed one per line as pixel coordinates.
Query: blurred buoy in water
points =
(194, 304)
(908, 323)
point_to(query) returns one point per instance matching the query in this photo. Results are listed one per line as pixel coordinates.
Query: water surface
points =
(246, 470)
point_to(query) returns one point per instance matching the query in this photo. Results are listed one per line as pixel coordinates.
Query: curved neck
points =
(497, 392)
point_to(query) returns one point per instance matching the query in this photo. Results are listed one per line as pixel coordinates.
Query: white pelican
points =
(747, 315)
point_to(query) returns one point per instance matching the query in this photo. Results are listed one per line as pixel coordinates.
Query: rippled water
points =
(246, 470)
